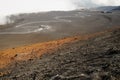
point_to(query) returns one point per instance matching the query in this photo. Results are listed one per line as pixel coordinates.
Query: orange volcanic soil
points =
(25, 53)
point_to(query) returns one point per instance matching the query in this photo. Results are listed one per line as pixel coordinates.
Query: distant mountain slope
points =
(108, 8)
(116, 9)
(92, 57)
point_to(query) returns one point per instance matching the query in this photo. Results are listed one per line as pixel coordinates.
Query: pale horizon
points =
(8, 7)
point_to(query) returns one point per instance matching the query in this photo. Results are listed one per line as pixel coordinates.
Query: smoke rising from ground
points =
(8, 7)
(93, 3)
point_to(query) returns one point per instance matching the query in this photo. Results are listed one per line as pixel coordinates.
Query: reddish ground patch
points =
(36, 50)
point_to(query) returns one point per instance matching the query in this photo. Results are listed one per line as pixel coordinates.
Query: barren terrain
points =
(42, 27)
(61, 45)
(88, 57)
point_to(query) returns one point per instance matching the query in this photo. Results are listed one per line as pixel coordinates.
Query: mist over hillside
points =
(59, 39)
(30, 6)
(108, 8)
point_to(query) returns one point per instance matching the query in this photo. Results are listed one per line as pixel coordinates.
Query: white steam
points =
(8, 7)
(107, 2)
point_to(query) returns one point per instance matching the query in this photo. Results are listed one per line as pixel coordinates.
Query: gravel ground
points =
(95, 59)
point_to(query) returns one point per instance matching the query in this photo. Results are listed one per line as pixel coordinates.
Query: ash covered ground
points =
(46, 26)
(97, 58)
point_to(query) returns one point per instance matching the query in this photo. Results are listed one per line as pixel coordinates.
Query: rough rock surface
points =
(95, 59)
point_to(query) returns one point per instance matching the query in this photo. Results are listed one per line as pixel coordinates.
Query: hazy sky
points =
(18, 6)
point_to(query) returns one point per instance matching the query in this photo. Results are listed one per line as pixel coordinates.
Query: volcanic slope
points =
(92, 57)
